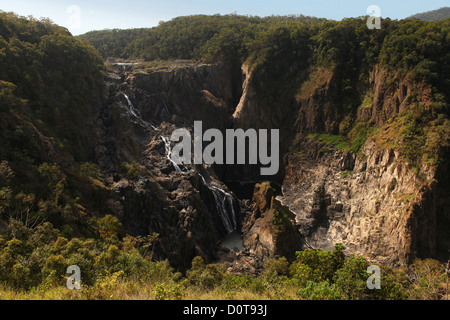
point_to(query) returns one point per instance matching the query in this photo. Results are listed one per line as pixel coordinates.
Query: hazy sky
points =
(80, 16)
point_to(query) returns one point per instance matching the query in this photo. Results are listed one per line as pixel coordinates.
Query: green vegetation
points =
(419, 134)
(285, 57)
(50, 92)
(91, 170)
(193, 37)
(335, 141)
(434, 15)
(131, 170)
(346, 173)
(352, 142)
(33, 265)
(50, 80)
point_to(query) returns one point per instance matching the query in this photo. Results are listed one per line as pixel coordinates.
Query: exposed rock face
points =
(186, 92)
(141, 109)
(369, 204)
(373, 202)
(317, 112)
(268, 231)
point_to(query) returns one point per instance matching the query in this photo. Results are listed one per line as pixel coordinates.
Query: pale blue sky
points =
(102, 14)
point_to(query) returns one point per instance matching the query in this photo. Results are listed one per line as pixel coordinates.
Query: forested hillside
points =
(51, 86)
(209, 38)
(193, 37)
(434, 15)
(416, 49)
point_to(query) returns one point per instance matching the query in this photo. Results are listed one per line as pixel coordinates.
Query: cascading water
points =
(136, 114)
(166, 108)
(224, 203)
(169, 153)
(133, 110)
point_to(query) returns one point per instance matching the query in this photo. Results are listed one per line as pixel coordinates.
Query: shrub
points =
(55, 268)
(320, 291)
(351, 279)
(131, 170)
(205, 276)
(108, 227)
(160, 271)
(427, 278)
(108, 261)
(169, 291)
(91, 170)
(317, 266)
(277, 267)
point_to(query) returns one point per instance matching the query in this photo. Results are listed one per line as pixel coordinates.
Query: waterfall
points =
(224, 206)
(136, 114)
(166, 108)
(169, 153)
(133, 110)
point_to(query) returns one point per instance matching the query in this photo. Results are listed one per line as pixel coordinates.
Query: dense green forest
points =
(50, 90)
(192, 37)
(277, 47)
(417, 47)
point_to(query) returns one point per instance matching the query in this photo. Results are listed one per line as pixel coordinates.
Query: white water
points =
(169, 153)
(222, 198)
(133, 110)
(136, 113)
(167, 109)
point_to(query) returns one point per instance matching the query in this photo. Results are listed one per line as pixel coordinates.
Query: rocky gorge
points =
(372, 201)
(312, 152)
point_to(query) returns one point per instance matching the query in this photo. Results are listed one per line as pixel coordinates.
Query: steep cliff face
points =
(374, 201)
(365, 203)
(185, 92)
(151, 195)
(268, 231)
(390, 95)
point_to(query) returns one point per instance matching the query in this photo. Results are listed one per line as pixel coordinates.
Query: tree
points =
(8, 100)
(108, 226)
(351, 279)
(316, 265)
(428, 277)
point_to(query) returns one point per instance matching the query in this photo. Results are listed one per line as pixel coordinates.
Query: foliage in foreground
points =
(33, 265)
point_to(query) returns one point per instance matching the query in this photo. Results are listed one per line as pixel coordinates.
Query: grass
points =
(335, 141)
(367, 101)
(139, 290)
(405, 198)
(347, 173)
(353, 142)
